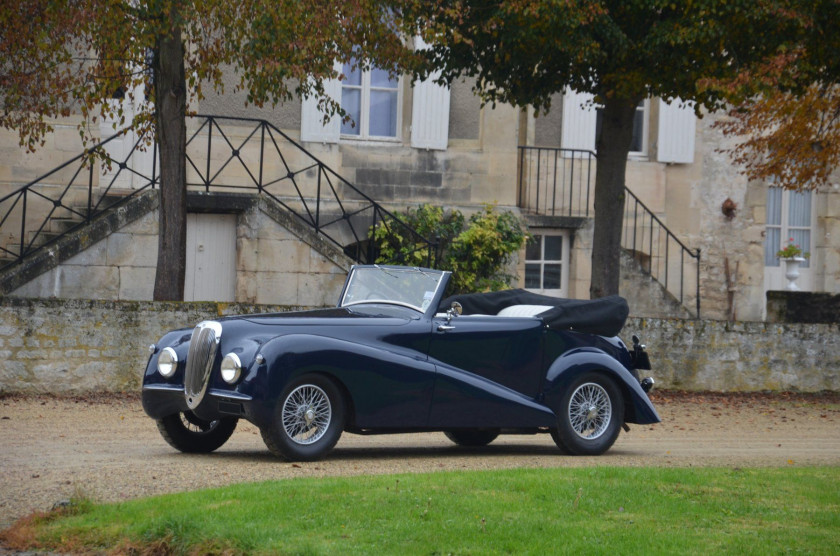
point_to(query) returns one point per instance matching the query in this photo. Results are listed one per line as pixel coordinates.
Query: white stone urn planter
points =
(792, 272)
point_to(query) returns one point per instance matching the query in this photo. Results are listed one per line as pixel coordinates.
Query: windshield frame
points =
(433, 299)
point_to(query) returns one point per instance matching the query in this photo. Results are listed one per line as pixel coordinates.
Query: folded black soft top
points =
(604, 316)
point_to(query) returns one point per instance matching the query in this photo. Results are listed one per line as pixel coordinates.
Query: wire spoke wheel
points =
(308, 419)
(306, 414)
(187, 432)
(590, 410)
(195, 425)
(589, 415)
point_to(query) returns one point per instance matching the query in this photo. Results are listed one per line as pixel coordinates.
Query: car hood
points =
(328, 316)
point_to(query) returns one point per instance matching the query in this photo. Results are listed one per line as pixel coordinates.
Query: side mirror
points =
(454, 310)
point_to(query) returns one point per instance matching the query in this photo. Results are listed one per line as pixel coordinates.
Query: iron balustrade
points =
(250, 155)
(660, 253)
(557, 182)
(223, 154)
(38, 214)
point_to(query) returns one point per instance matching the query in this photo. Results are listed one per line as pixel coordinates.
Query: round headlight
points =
(167, 362)
(231, 368)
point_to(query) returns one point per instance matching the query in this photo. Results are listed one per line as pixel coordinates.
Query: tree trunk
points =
(613, 145)
(170, 120)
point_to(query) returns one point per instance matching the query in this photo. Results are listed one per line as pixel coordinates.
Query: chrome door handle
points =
(445, 328)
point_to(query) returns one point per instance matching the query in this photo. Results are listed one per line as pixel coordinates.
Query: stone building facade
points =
(433, 145)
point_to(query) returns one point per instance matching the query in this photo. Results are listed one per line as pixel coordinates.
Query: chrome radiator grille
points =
(202, 353)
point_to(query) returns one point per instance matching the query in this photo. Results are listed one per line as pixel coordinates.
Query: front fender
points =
(388, 388)
(567, 367)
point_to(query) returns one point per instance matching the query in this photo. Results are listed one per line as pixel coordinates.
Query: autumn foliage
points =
(60, 58)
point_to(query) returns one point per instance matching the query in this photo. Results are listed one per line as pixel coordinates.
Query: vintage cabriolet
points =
(394, 356)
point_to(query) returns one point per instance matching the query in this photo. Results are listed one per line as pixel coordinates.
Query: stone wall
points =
(798, 306)
(76, 346)
(741, 356)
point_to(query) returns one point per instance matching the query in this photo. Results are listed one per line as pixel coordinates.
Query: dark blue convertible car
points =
(394, 356)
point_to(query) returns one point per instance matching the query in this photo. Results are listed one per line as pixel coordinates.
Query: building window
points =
(546, 263)
(788, 219)
(371, 98)
(639, 145)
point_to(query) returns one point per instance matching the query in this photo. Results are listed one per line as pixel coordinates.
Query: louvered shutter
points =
(675, 136)
(579, 117)
(312, 127)
(429, 112)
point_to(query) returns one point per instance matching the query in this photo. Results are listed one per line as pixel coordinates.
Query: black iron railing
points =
(39, 213)
(223, 154)
(557, 182)
(660, 253)
(229, 154)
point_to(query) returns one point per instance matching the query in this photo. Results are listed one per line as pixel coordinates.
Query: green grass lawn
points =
(540, 511)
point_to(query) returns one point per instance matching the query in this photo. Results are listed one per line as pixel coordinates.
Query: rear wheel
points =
(188, 433)
(472, 437)
(308, 420)
(590, 416)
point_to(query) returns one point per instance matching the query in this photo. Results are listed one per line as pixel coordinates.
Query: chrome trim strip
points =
(229, 395)
(165, 388)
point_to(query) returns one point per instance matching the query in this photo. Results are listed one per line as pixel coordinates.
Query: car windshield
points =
(410, 287)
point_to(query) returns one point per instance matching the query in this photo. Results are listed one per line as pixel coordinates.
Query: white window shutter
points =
(312, 127)
(429, 112)
(579, 117)
(675, 137)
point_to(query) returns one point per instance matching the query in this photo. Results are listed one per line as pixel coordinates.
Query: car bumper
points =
(160, 400)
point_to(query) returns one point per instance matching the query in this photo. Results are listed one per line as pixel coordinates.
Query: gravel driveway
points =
(108, 450)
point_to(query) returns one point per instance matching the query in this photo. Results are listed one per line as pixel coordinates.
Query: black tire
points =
(187, 433)
(308, 420)
(590, 415)
(472, 437)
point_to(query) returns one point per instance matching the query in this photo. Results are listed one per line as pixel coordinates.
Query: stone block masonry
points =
(73, 346)
(741, 356)
(76, 346)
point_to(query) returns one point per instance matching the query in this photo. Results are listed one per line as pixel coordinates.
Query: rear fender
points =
(567, 367)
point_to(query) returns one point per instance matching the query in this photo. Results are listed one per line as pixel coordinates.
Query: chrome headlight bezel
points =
(167, 362)
(231, 368)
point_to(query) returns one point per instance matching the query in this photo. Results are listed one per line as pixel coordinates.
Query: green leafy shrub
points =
(477, 249)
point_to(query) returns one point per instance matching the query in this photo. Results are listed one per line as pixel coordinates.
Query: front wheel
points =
(590, 416)
(186, 432)
(472, 437)
(308, 420)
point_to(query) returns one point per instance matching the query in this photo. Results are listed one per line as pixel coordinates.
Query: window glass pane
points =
(638, 127)
(383, 113)
(772, 243)
(774, 206)
(351, 102)
(638, 130)
(800, 209)
(353, 77)
(533, 250)
(551, 277)
(379, 78)
(532, 276)
(553, 248)
(802, 238)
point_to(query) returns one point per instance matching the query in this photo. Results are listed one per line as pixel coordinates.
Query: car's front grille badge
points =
(203, 345)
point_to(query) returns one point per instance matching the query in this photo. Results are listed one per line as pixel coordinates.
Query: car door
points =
(480, 359)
